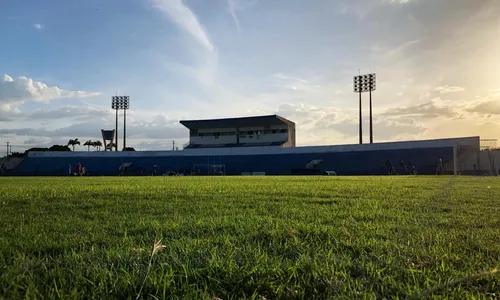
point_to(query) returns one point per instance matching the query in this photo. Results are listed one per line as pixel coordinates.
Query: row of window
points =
(242, 133)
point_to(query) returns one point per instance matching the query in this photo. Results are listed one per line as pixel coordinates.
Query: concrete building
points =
(271, 130)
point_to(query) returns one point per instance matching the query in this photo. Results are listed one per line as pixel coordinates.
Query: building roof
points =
(236, 122)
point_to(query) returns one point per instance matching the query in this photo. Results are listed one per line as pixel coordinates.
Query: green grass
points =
(248, 237)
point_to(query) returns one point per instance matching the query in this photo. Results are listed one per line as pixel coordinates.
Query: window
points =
(283, 130)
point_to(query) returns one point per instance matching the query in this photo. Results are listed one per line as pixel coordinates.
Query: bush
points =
(52, 148)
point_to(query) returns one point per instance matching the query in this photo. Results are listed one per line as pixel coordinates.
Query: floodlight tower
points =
(121, 103)
(362, 84)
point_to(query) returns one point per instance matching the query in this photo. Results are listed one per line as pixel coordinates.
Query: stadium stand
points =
(264, 145)
(344, 160)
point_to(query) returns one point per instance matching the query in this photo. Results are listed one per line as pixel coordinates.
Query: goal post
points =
(455, 161)
(209, 169)
(474, 160)
(466, 159)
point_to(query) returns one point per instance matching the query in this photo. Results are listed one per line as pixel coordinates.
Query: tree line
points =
(71, 143)
(96, 144)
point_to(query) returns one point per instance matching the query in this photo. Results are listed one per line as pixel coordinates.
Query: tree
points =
(88, 144)
(73, 143)
(59, 148)
(98, 144)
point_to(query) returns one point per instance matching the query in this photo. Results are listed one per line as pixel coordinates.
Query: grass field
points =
(248, 237)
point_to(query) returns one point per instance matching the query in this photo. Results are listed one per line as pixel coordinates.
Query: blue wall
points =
(343, 163)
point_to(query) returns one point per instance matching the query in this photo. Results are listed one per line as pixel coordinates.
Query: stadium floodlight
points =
(363, 84)
(121, 103)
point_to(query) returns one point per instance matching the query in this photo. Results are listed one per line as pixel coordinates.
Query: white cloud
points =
(399, 50)
(8, 112)
(449, 89)
(184, 17)
(313, 87)
(321, 125)
(489, 105)
(70, 111)
(232, 12)
(431, 109)
(38, 26)
(26, 89)
(284, 77)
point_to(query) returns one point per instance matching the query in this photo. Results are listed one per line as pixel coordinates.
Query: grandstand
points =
(271, 130)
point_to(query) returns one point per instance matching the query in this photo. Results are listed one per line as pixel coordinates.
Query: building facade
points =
(271, 130)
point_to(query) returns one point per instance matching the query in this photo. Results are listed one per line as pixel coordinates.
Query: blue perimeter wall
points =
(366, 159)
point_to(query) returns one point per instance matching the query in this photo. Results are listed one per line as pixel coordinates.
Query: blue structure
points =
(262, 145)
(367, 159)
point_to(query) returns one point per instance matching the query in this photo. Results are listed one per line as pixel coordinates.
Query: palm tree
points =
(98, 144)
(73, 143)
(88, 144)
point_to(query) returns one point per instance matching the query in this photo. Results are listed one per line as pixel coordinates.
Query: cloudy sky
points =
(437, 65)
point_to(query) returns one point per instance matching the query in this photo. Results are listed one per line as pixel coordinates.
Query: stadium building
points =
(263, 145)
(241, 132)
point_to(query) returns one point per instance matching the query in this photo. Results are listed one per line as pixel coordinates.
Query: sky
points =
(437, 65)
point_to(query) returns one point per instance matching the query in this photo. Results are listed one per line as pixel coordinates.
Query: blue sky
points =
(436, 62)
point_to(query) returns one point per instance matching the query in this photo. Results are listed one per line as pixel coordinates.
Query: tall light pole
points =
(121, 103)
(358, 89)
(362, 84)
(372, 86)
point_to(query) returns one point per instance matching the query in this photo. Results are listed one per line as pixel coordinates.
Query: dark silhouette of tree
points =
(98, 144)
(73, 143)
(88, 144)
